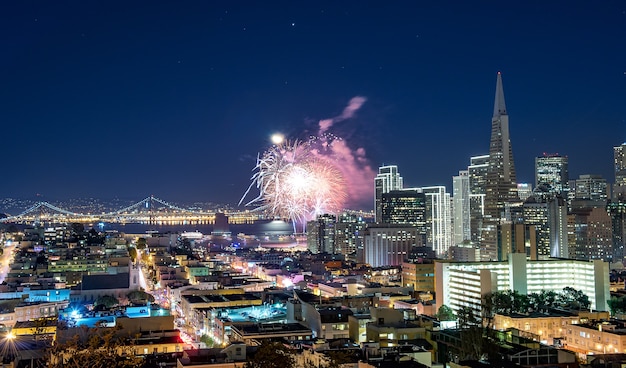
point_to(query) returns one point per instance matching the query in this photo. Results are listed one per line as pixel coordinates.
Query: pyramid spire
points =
(499, 107)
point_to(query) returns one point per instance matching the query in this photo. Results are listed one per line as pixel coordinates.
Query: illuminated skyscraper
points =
(406, 207)
(461, 204)
(551, 171)
(321, 234)
(388, 179)
(477, 169)
(348, 234)
(619, 155)
(500, 185)
(438, 219)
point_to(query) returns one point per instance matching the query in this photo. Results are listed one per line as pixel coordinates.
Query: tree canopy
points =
(445, 313)
(272, 355)
(507, 302)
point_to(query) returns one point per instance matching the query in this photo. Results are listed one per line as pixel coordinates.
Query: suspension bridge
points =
(150, 210)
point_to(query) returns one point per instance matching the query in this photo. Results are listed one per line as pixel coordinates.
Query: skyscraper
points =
(438, 219)
(388, 179)
(321, 234)
(477, 169)
(619, 156)
(348, 234)
(406, 207)
(500, 184)
(461, 201)
(552, 172)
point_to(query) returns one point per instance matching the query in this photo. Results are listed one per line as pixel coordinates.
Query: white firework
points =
(296, 184)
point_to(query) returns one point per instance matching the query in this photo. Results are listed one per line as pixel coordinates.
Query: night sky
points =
(126, 99)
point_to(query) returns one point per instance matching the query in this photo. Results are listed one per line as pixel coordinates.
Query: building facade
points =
(388, 245)
(461, 205)
(500, 184)
(388, 179)
(464, 284)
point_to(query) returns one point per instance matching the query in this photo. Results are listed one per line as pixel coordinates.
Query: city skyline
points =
(128, 100)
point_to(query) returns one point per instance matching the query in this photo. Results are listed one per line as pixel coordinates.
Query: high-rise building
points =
(500, 184)
(551, 171)
(592, 232)
(592, 188)
(406, 207)
(388, 179)
(617, 212)
(549, 216)
(479, 165)
(619, 156)
(461, 207)
(438, 219)
(348, 233)
(516, 238)
(524, 190)
(388, 245)
(321, 234)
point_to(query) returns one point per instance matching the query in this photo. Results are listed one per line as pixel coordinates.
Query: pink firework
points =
(297, 184)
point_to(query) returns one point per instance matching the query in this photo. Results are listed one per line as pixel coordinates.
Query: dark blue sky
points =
(175, 99)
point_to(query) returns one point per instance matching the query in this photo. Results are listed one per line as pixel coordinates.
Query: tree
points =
(573, 299)
(141, 243)
(107, 301)
(94, 348)
(336, 358)
(272, 355)
(140, 296)
(78, 228)
(132, 252)
(445, 313)
(207, 340)
(467, 318)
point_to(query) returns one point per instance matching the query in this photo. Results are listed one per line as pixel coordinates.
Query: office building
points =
(549, 216)
(592, 188)
(524, 191)
(438, 219)
(461, 207)
(617, 213)
(551, 171)
(388, 179)
(591, 232)
(500, 184)
(406, 207)
(477, 170)
(388, 245)
(619, 159)
(516, 238)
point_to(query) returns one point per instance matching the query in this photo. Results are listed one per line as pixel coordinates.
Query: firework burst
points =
(296, 182)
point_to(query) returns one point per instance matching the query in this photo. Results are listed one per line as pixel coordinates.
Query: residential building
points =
(463, 284)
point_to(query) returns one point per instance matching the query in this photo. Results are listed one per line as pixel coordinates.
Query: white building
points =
(439, 219)
(461, 206)
(388, 179)
(388, 245)
(463, 284)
